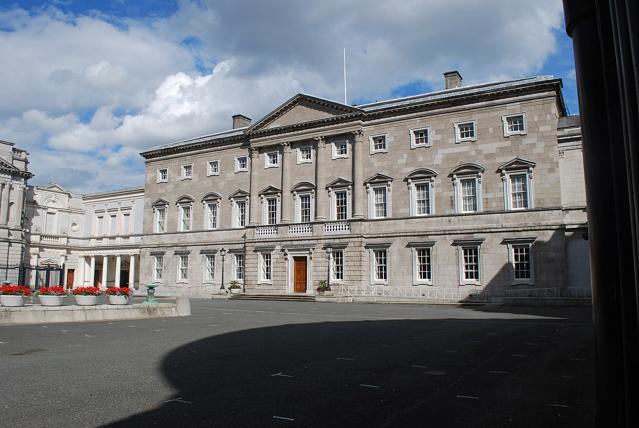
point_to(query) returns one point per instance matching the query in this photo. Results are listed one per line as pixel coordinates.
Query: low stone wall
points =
(37, 314)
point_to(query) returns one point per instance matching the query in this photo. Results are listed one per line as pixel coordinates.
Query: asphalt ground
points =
(255, 364)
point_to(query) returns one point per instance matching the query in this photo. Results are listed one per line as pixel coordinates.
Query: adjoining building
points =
(468, 190)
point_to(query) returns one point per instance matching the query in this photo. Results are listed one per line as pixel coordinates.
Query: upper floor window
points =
(467, 188)
(420, 138)
(113, 224)
(421, 190)
(185, 218)
(465, 131)
(239, 207)
(514, 124)
(518, 191)
(339, 192)
(211, 215)
(379, 201)
(213, 167)
(271, 210)
(99, 225)
(159, 216)
(339, 149)
(187, 172)
(380, 209)
(272, 159)
(468, 195)
(126, 223)
(162, 175)
(341, 205)
(517, 180)
(241, 163)
(304, 154)
(305, 208)
(378, 143)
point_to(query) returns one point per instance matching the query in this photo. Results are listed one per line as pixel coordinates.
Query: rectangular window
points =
(468, 195)
(240, 207)
(211, 215)
(521, 262)
(271, 211)
(341, 205)
(305, 155)
(337, 265)
(272, 159)
(465, 132)
(185, 218)
(423, 264)
(183, 268)
(379, 195)
(340, 149)
(380, 266)
(470, 264)
(126, 223)
(160, 220)
(378, 143)
(514, 124)
(214, 168)
(100, 225)
(518, 191)
(239, 267)
(420, 137)
(265, 266)
(209, 267)
(162, 175)
(305, 208)
(187, 171)
(158, 267)
(241, 163)
(113, 220)
(422, 198)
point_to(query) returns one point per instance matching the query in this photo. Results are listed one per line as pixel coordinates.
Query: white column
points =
(17, 206)
(132, 271)
(92, 272)
(118, 266)
(105, 268)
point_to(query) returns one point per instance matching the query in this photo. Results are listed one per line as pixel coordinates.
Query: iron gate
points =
(35, 277)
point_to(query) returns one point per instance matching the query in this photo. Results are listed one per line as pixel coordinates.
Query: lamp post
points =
(329, 251)
(222, 253)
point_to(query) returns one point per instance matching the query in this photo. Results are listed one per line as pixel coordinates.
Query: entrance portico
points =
(109, 269)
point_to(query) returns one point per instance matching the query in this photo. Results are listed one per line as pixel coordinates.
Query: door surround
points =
(290, 270)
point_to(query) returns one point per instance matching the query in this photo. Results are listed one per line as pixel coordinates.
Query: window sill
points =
(515, 133)
(182, 281)
(376, 152)
(186, 178)
(241, 170)
(466, 140)
(476, 284)
(213, 174)
(161, 181)
(420, 146)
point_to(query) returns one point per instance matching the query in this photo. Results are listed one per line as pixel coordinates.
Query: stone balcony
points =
(303, 229)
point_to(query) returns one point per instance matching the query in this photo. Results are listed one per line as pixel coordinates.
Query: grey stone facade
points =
(498, 195)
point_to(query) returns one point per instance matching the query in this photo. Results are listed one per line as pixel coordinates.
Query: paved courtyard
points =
(252, 363)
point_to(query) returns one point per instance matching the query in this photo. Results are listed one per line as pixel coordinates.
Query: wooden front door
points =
(299, 274)
(70, 276)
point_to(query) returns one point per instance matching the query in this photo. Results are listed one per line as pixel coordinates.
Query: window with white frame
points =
(423, 264)
(211, 211)
(187, 172)
(341, 204)
(271, 159)
(378, 143)
(113, 224)
(337, 265)
(209, 267)
(239, 267)
(183, 267)
(271, 210)
(380, 202)
(304, 207)
(518, 186)
(126, 223)
(421, 197)
(380, 265)
(160, 219)
(239, 212)
(465, 131)
(520, 256)
(514, 124)
(339, 149)
(517, 179)
(304, 154)
(162, 175)
(241, 163)
(468, 195)
(265, 267)
(158, 267)
(470, 264)
(213, 167)
(185, 217)
(420, 138)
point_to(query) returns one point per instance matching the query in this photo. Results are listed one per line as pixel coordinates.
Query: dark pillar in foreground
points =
(605, 36)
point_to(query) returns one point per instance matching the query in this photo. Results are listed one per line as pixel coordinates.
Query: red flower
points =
(115, 291)
(52, 291)
(87, 291)
(15, 290)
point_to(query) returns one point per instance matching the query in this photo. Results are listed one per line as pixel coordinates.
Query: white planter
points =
(235, 290)
(9, 300)
(119, 300)
(50, 300)
(86, 300)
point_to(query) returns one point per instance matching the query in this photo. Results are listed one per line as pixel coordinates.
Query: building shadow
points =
(519, 372)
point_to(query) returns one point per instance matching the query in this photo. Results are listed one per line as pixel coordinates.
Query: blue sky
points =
(89, 84)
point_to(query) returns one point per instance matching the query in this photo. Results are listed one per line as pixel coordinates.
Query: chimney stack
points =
(453, 79)
(240, 121)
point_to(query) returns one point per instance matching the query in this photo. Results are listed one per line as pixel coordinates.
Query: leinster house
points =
(467, 191)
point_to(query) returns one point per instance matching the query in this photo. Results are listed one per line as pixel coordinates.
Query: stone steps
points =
(280, 297)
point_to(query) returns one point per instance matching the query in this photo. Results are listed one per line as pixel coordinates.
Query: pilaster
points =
(321, 166)
(358, 194)
(286, 183)
(254, 212)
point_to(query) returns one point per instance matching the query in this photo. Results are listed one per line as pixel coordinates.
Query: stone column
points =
(286, 183)
(17, 206)
(118, 267)
(132, 271)
(92, 272)
(105, 269)
(358, 160)
(321, 166)
(4, 203)
(254, 211)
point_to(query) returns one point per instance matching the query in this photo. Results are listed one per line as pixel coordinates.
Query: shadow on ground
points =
(520, 373)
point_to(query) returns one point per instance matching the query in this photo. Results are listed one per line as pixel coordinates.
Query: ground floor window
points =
(337, 265)
(209, 267)
(470, 265)
(380, 265)
(239, 267)
(158, 267)
(183, 268)
(423, 265)
(265, 267)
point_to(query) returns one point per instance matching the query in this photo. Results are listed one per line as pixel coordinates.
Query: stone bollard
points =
(183, 306)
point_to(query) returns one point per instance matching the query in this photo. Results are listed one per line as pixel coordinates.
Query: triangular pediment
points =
(339, 182)
(52, 187)
(269, 190)
(302, 108)
(379, 178)
(517, 163)
(302, 186)
(159, 202)
(239, 194)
